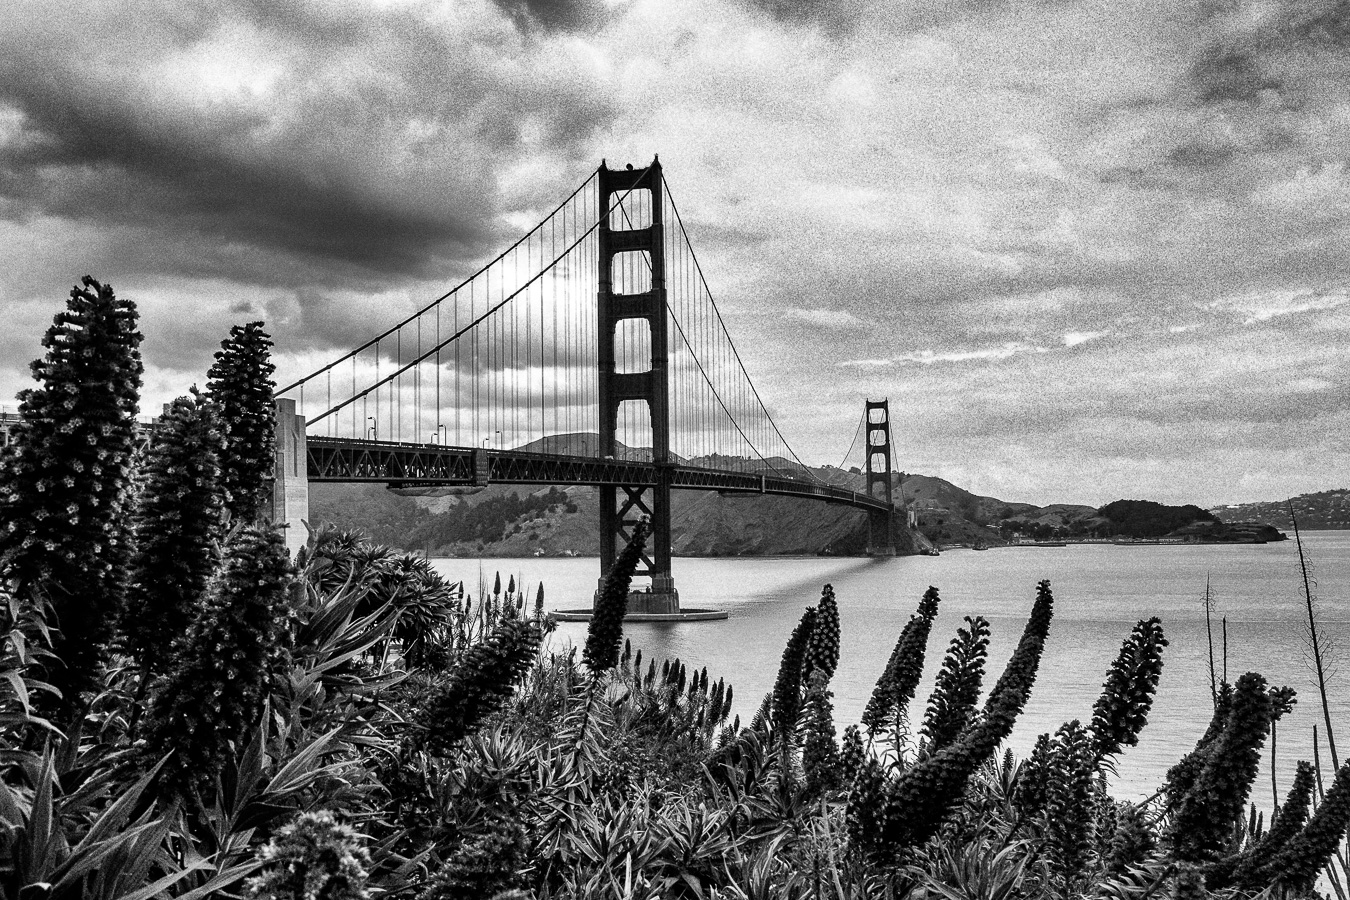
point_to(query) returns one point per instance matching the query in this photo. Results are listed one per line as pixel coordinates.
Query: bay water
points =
(1101, 590)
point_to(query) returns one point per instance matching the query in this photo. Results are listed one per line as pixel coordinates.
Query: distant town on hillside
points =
(1324, 510)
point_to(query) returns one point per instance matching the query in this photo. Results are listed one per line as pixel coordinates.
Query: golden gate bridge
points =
(589, 352)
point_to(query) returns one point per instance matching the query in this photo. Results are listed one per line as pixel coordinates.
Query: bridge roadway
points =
(409, 465)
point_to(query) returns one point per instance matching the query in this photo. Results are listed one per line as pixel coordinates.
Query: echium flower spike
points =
(65, 479)
(314, 856)
(900, 679)
(957, 689)
(917, 802)
(1181, 777)
(1251, 870)
(1297, 866)
(611, 605)
(224, 665)
(822, 647)
(240, 385)
(787, 687)
(1121, 711)
(177, 524)
(820, 754)
(1205, 818)
(478, 684)
(1069, 813)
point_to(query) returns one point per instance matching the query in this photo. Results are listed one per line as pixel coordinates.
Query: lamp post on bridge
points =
(374, 428)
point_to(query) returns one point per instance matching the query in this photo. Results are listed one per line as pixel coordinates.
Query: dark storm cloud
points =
(556, 15)
(373, 151)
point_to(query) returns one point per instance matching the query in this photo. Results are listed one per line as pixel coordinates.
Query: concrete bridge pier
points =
(290, 477)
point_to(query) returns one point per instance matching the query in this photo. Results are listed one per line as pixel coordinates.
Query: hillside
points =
(1324, 510)
(514, 520)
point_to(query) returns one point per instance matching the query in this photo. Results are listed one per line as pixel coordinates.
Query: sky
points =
(1088, 250)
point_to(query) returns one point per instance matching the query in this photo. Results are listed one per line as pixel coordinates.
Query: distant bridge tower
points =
(880, 538)
(621, 506)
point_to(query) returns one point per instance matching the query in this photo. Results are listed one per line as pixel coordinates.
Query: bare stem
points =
(1209, 633)
(1316, 644)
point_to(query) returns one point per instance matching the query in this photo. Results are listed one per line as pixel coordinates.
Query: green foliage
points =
(1205, 817)
(477, 685)
(900, 679)
(483, 865)
(314, 856)
(1121, 711)
(787, 686)
(1147, 519)
(951, 707)
(177, 525)
(241, 387)
(606, 626)
(224, 666)
(25, 648)
(64, 478)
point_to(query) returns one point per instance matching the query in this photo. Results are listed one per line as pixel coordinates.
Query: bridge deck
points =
(343, 459)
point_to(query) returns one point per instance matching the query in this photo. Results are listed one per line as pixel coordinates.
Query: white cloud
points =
(1263, 307)
(825, 318)
(1074, 338)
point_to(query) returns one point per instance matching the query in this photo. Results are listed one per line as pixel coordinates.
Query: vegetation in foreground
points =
(348, 725)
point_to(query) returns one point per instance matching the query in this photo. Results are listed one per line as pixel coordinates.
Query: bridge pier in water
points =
(290, 477)
(880, 534)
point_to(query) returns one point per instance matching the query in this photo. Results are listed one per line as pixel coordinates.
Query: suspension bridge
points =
(589, 352)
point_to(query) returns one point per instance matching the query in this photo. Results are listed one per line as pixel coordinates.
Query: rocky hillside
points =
(1324, 510)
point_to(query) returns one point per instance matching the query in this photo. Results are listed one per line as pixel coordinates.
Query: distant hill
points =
(516, 520)
(1324, 510)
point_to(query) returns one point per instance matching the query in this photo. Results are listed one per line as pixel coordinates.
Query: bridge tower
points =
(622, 506)
(880, 538)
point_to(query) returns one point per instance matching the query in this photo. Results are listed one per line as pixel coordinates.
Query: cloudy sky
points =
(1089, 250)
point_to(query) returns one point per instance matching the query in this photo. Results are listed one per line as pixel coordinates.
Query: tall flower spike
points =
(606, 627)
(65, 479)
(177, 522)
(822, 648)
(787, 687)
(1210, 809)
(1121, 711)
(481, 680)
(957, 689)
(900, 679)
(240, 384)
(914, 805)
